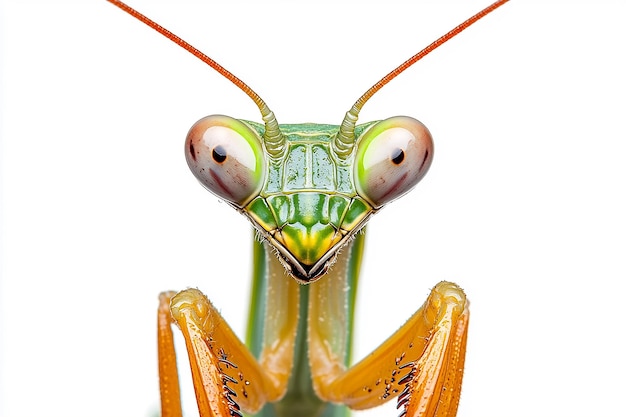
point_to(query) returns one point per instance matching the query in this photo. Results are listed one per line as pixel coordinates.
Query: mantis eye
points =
(392, 157)
(227, 157)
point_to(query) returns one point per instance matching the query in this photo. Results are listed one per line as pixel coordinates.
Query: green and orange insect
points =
(309, 191)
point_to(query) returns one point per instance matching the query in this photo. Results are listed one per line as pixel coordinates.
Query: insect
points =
(309, 191)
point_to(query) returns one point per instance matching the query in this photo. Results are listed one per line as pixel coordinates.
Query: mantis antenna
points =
(343, 144)
(274, 139)
(344, 141)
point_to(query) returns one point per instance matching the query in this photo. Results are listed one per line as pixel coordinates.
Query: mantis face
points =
(307, 200)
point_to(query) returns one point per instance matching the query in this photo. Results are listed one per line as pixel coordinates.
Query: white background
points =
(524, 205)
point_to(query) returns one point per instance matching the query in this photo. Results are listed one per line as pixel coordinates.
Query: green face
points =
(309, 201)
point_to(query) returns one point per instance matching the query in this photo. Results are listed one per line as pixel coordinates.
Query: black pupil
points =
(397, 156)
(219, 154)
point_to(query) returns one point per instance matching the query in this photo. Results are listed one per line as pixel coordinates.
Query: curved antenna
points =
(344, 141)
(274, 139)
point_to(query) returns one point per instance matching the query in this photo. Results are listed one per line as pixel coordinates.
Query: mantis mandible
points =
(309, 190)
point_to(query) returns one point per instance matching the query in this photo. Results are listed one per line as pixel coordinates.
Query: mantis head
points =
(308, 201)
(308, 188)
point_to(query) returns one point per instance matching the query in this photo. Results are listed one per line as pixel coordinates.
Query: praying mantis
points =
(309, 191)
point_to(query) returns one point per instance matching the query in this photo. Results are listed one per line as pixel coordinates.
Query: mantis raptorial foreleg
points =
(226, 376)
(422, 361)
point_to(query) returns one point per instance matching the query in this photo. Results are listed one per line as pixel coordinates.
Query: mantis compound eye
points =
(392, 157)
(227, 157)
